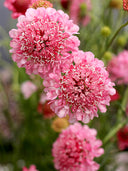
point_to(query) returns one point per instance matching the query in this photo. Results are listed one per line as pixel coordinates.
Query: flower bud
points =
(40, 3)
(108, 56)
(105, 31)
(116, 4)
(121, 41)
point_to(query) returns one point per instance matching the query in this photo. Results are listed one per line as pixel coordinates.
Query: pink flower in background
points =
(79, 10)
(118, 68)
(18, 7)
(122, 136)
(43, 41)
(81, 90)
(125, 5)
(32, 168)
(28, 88)
(76, 148)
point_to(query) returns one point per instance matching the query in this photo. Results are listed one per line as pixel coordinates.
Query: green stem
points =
(114, 36)
(119, 125)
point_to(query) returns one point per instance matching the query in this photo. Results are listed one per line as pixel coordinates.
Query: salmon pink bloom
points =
(81, 90)
(43, 41)
(32, 168)
(118, 68)
(79, 11)
(125, 5)
(76, 148)
(18, 7)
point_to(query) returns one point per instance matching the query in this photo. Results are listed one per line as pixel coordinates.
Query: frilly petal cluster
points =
(79, 10)
(125, 5)
(18, 7)
(118, 68)
(43, 41)
(75, 149)
(83, 89)
(32, 168)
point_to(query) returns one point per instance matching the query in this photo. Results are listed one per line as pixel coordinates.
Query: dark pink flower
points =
(32, 168)
(122, 136)
(81, 89)
(115, 96)
(43, 41)
(18, 7)
(76, 148)
(125, 5)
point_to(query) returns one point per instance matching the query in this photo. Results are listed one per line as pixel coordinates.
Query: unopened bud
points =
(108, 56)
(116, 4)
(40, 3)
(122, 40)
(105, 31)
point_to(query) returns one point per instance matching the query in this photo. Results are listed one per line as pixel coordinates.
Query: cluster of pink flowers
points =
(118, 68)
(125, 5)
(81, 90)
(43, 41)
(76, 148)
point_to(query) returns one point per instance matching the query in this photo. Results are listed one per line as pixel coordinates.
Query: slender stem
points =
(119, 125)
(114, 36)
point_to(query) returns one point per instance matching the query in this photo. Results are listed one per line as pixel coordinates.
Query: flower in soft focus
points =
(18, 7)
(81, 90)
(28, 88)
(43, 41)
(76, 148)
(59, 124)
(118, 68)
(65, 3)
(32, 168)
(115, 96)
(79, 10)
(40, 3)
(125, 5)
(116, 4)
(122, 136)
(45, 110)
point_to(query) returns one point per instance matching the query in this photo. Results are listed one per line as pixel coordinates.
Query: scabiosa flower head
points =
(125, 5)
(118, 68)
(122, 136)
(43, 41)
(76, 148)
(28, 88)
(79, 11)
(18, 7)
(40, 3)
(81, 90)
(32, 168)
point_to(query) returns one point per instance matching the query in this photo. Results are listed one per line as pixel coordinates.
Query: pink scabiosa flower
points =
(122, 137)
(43, 41)
(79, 11)
(125, 5)
(28, 88)
(76, 148)
(81, 90)
(18, 7)
(118, 68)
(32, 168)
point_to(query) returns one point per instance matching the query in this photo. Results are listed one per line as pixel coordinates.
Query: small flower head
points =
(59, 124)
(118, 68)
(40, 3)
(79, 10)
(43, 41)
(76, 148)
(32, 168)
(122, 136)
(125, 5)
(18, 7)
(81, 90)
(28, 88)
(105, 31)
